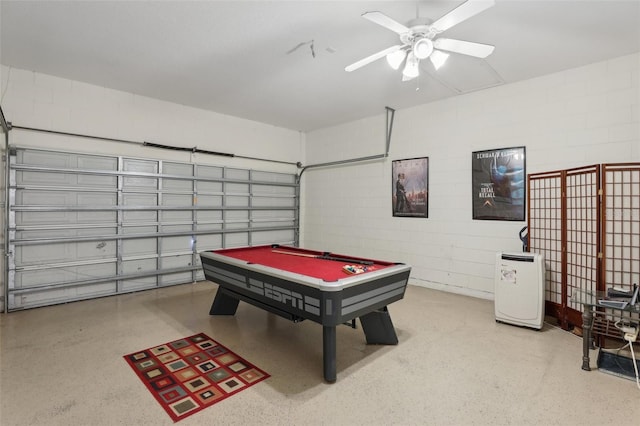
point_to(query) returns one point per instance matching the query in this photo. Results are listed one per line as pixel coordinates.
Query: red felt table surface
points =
(328, 270)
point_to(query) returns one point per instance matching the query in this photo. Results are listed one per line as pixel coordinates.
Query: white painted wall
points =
(31, 99)
(578, 117)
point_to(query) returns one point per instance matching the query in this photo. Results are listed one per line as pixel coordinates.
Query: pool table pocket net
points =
(190, 374)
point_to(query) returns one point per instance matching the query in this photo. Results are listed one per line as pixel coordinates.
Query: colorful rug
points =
(190, 374)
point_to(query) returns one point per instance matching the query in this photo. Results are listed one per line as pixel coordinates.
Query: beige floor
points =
(454, 365)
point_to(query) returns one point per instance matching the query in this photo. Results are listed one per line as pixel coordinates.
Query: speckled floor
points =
(454, 365)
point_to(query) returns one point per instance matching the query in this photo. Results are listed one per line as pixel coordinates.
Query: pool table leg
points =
(223, 303)
(329, 353)
(378, 328)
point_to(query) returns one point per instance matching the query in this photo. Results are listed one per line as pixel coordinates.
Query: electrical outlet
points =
(628, 329)
(631, 335)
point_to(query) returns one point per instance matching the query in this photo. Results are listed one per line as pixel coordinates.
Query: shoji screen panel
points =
(83, 226)
(621, 206)
(545, 221)
(582, 234)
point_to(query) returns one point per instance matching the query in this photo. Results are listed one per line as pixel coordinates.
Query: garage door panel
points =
(273, 202)
(237, 201)
(96, 250)
(237, 239)
(176, 244)
(240, 174)
(96, 199)
(180, 169)
(212, 172)
(177, 261)
(44, 253)
(177, 184)
(65, 274)
(132, 231)
(36, 197)
(139, 246)
(97, 217)
(209, 227)
(138, 165)
(96, 162)
(208, 216)
(273, 177)
(210, 187)
(210, 200)
(46, 158)
(182, 200)
(179, 278)
(140, 216)
(140, 200)
(139, 183)
(236, 188)
(184, 228)
(268, 237)
(209, 242)
(54, 296)
(175, 216)
(97, 181)
(139, 265)
(45, 218)
(143, 283)
(44, 178)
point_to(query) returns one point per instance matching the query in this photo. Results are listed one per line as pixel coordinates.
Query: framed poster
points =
(499, 184)
(410, 187)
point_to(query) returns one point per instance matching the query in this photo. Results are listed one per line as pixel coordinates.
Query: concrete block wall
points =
(577, 117)
(31, 99)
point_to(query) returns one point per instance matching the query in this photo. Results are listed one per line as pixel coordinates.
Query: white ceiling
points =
(231, 56)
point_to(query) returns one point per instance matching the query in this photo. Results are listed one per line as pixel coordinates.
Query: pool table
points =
(299, 284)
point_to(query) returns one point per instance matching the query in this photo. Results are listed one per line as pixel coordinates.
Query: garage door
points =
(84, 226)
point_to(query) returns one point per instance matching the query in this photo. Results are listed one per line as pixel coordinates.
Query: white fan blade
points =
(463, 12)
(374, 57)
(383, 20)
(478, 50)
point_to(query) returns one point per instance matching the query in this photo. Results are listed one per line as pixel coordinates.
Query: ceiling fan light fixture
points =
(422, 48)
(438, 58)
(411, 69)
(396, 58)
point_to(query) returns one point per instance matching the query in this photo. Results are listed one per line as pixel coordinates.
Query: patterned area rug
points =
(190, 374)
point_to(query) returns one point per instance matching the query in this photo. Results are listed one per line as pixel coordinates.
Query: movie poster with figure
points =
(410, 187)
(499, 184)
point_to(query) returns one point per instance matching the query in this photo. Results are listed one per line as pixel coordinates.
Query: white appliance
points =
(519, 289)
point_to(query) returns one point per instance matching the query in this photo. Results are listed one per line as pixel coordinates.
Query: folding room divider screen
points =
(586, 223)
(81, 226)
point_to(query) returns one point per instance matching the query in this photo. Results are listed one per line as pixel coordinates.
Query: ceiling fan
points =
(418, 40)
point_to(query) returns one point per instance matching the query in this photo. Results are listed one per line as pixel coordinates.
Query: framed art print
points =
(410, 187)
(499, 184)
